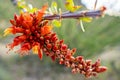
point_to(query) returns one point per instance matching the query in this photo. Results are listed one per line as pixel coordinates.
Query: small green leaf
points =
(69, 5)
(33, 10)
(54, 8)
(24, 7)
(86, 19)
(56, 23)
(54, 4)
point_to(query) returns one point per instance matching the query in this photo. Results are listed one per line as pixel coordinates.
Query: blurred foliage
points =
(100, 33)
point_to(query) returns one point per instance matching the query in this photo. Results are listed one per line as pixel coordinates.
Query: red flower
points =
(31, 28)
(25, 48)
(45, 30)
(17, 40)
(41, 13)
(8, 31)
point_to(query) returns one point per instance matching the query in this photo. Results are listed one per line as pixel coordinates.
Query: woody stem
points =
(75, 15)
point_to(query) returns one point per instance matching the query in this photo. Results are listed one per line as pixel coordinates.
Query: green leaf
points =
(56, 23)
(54, 4)
(54, 8)
(86, 19)
(24, 7)
(69, 5)
(33, 10)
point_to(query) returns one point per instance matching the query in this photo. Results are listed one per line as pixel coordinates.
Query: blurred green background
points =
(101, 40)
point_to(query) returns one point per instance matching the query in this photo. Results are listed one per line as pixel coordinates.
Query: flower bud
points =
(61, 61)
(72, 65)
(79, 58)
(63, 47)
(49, 46)
(73, 70)
(101, 69)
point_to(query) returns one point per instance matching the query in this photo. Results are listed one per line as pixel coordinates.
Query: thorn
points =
(82, 27)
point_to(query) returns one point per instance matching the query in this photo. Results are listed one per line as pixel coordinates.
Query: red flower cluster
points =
(56, 49)
(31, 27)
(36, 34)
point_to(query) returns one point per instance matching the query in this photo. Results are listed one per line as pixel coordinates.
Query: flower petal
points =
(41, 13)
(40, 54)
(46, 29)
(8, 31)
(35, 49)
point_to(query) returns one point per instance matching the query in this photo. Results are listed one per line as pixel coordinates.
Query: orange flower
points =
(28, 25)
(17, 40)
(46, 29)
(25, 48)
(13, 30)
(27, 20)
(41, 13)
(37, 50)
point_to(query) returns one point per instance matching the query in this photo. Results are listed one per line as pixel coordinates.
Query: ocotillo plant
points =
(34, 29)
